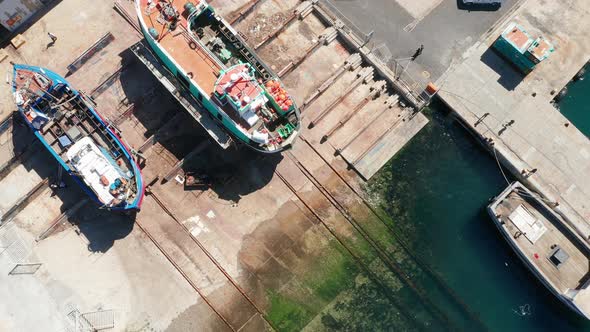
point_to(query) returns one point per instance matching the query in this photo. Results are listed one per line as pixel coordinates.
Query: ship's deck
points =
(178, 45)
(574, 272)
(71, 123)
(24, 78)
(189, 52)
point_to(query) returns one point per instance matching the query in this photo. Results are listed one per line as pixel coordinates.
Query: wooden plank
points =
(3, 55)
(389, 145)
(18, 41)
(361, 143)
(90, 52)
(362, 122)
(373, 147)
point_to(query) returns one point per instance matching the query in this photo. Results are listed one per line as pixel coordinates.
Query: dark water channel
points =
(435, 192)
(576, 104)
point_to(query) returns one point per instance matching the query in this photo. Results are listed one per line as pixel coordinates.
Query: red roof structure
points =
(243, 86)
(518, 38)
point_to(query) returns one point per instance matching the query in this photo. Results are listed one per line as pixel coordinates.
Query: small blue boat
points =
(79, 138)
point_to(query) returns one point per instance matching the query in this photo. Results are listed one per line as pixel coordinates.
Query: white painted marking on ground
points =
(570, 189)
(196, 226)
(210, 214)
(192, 220)
(418, 12)
(528, 153)
(199, 228)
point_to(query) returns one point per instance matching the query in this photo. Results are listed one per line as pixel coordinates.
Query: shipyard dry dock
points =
(512, 113)
(247, 242)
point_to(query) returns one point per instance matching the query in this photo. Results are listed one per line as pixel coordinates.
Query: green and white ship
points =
(215, 65)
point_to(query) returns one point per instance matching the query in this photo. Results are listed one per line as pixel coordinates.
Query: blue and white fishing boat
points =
(79, 138)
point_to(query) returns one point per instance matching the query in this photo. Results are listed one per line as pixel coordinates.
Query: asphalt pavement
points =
(446, 30)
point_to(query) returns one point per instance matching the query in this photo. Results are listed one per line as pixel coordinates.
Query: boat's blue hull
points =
(132, 206)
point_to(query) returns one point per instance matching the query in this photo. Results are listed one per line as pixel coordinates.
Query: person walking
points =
(418, 52)
(53, 39)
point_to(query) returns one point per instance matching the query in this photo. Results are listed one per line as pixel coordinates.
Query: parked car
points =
(495, 3)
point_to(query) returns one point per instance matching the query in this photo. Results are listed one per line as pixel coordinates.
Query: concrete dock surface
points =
(530, 137)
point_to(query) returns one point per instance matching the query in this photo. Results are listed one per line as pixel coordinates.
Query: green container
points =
(516, 45)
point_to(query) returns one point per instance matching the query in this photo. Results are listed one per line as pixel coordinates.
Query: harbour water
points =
(435, 191)
(576, 104)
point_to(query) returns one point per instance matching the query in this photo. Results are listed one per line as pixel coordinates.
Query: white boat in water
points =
(552, 250)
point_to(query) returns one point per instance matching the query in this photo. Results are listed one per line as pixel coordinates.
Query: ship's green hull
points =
(195, 90)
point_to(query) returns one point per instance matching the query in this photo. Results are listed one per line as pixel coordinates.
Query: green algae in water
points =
(334, 281)
(435, 191)
(332, 273)
(433, 194)
(364, 308)
(336, 272)
(287, 314)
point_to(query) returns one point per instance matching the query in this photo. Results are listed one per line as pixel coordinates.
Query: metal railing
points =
(349, 26)
(409, 75)
(403, 75)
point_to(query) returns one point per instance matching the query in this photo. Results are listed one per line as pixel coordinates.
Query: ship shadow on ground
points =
(509, 78)
(31, 153)
(100, 228)
(230, 173)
